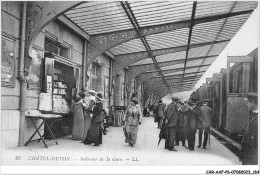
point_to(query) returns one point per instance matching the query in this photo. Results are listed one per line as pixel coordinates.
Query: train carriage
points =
(223, 100)
(230, 112)
(241, 82)
(216, 83)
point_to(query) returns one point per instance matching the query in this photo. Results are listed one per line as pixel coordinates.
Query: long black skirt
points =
(94, 134)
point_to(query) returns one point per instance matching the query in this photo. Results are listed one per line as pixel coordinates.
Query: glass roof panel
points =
(90, 8)
(189, 75)
(203, 68)
(194, 63)
(209, 8)
(99, 17)
(244, 5)
(168, 39)
(148, 13)
(191, 70)
(232, 26)
(171, 56)
(217, 48)
(209, 60)
(174, 73)
(144, 61)
(176, 66)
(131, 46)
(199, 51)
(206, 32)
(200, 73)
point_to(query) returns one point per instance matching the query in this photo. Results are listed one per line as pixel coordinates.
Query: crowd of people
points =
(180, 122)
(89, 122)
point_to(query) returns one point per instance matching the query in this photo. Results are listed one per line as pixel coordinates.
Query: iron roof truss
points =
(167, 46)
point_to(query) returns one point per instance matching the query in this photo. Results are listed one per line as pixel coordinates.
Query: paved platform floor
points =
(115, 151)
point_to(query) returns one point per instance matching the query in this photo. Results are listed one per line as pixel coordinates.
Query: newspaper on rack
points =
(45, 102)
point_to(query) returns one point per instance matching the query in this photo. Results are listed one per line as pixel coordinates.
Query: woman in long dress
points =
(88, 102)
(94, 134)
(78, 116)
(133, 117)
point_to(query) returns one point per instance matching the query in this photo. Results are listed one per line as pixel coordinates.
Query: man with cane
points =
(206, 115)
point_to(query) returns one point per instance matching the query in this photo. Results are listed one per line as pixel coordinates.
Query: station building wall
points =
(10, 115)
(118, 94)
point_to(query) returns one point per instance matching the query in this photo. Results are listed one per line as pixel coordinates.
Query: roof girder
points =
(190, 33)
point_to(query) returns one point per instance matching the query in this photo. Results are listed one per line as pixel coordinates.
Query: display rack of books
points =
(54, 98)
(59, 87)
(60, 104)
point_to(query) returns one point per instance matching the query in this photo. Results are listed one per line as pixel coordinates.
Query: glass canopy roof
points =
(204, 30)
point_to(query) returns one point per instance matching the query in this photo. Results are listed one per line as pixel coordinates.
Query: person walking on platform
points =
(192, 113)
(249, 145)
(171, 117)
(155, 112)
(146, 113)
(149, 106)
(133, 118)
(160, 114)
(94, 134)
(206, 115)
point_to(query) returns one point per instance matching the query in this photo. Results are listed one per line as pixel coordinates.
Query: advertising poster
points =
(7, 63)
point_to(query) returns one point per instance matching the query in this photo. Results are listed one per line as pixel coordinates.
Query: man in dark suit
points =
(206, 115)
(171, 117)
(193, 114)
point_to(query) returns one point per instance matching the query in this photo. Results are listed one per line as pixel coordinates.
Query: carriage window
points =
(237, 86)
(217, 88)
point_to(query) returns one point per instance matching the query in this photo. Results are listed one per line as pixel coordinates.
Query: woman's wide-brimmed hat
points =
(99, 96)
(92, 92)
(175, 97)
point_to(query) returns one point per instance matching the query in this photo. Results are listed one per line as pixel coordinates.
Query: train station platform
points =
(115, 151)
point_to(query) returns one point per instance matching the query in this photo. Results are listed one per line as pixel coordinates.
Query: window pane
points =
(51, 48)
(64, 52)
(93, 83)
(94, 69)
